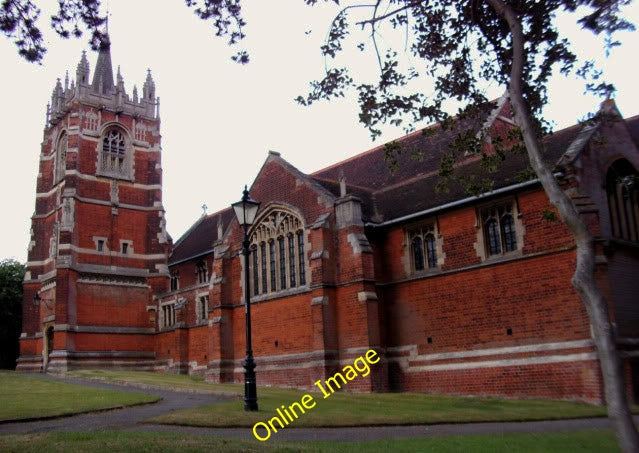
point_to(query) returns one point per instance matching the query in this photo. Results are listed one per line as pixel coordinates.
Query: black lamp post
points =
(246, 211)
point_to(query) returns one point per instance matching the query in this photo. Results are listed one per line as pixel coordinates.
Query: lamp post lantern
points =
(246, 211)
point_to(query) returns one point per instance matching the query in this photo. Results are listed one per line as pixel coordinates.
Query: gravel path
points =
(130, 419)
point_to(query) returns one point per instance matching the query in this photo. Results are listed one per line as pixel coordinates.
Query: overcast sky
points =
(220, 119)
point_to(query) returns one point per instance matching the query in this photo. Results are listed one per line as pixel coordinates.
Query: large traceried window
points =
(114, 160)
(622, 187)
(500, 235)
(61, 157)
(278, 260)
(423, 247)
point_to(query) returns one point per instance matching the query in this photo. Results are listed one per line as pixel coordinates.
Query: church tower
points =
(98, 248)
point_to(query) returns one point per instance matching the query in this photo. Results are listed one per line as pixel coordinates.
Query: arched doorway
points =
(48, 345)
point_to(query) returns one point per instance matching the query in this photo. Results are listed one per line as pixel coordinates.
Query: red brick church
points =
(458, 294)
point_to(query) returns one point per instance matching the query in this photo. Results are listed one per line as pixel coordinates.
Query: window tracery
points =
(499, 229)
(423, 247)
(202, 272)
(61, 157)
(114, 153)
(278, 246)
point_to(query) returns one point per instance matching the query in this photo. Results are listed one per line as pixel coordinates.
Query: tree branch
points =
(583, 278)
(385, 16)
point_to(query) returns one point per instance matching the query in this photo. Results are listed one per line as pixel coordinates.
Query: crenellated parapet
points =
(102, 91)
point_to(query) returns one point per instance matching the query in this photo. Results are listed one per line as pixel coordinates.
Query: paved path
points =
(117, 418)
(130, 419)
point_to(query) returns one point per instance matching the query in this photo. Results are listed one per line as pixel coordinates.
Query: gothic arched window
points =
(61, 157)
(622, 187)
(291, 259)
(202, 272)
(499, 229)
(431, 250)
(492, 234)
(256, 277)
(114, 156)
(263, 266)
(508, 233)
(300, 257)
(272, 269)
(418, 253)
(278, 246)
(423, 247)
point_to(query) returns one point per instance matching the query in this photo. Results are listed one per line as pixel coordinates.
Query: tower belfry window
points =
(61, 158)
(114, 153)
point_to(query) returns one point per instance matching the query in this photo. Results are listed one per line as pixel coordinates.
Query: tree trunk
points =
(583, 279)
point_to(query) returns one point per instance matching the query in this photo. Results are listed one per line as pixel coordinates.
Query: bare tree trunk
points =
(583, 279)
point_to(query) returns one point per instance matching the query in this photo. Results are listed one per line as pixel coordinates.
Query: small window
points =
(418, 253)
(168, 315)
(202, 272)
(423, 247)
(499, 229)
(125, 248)
(431, 250)
(202, 308)
(100, 245)
(175, 281)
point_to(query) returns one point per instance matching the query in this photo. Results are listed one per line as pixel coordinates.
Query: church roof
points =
(199, 239)
(388, 195)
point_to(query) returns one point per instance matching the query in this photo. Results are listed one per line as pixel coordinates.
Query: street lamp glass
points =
(246, 209)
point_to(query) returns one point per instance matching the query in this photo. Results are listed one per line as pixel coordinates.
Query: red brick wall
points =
(111, 305)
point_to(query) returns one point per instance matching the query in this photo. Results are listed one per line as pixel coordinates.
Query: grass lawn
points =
(27, 397)
(109, 441)
(346, 409)
(169, 381)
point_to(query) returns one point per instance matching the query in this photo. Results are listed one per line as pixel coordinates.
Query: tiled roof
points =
(370, 170)
(387, 195)
(410, 188)
(419, 194)
(199, 239)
